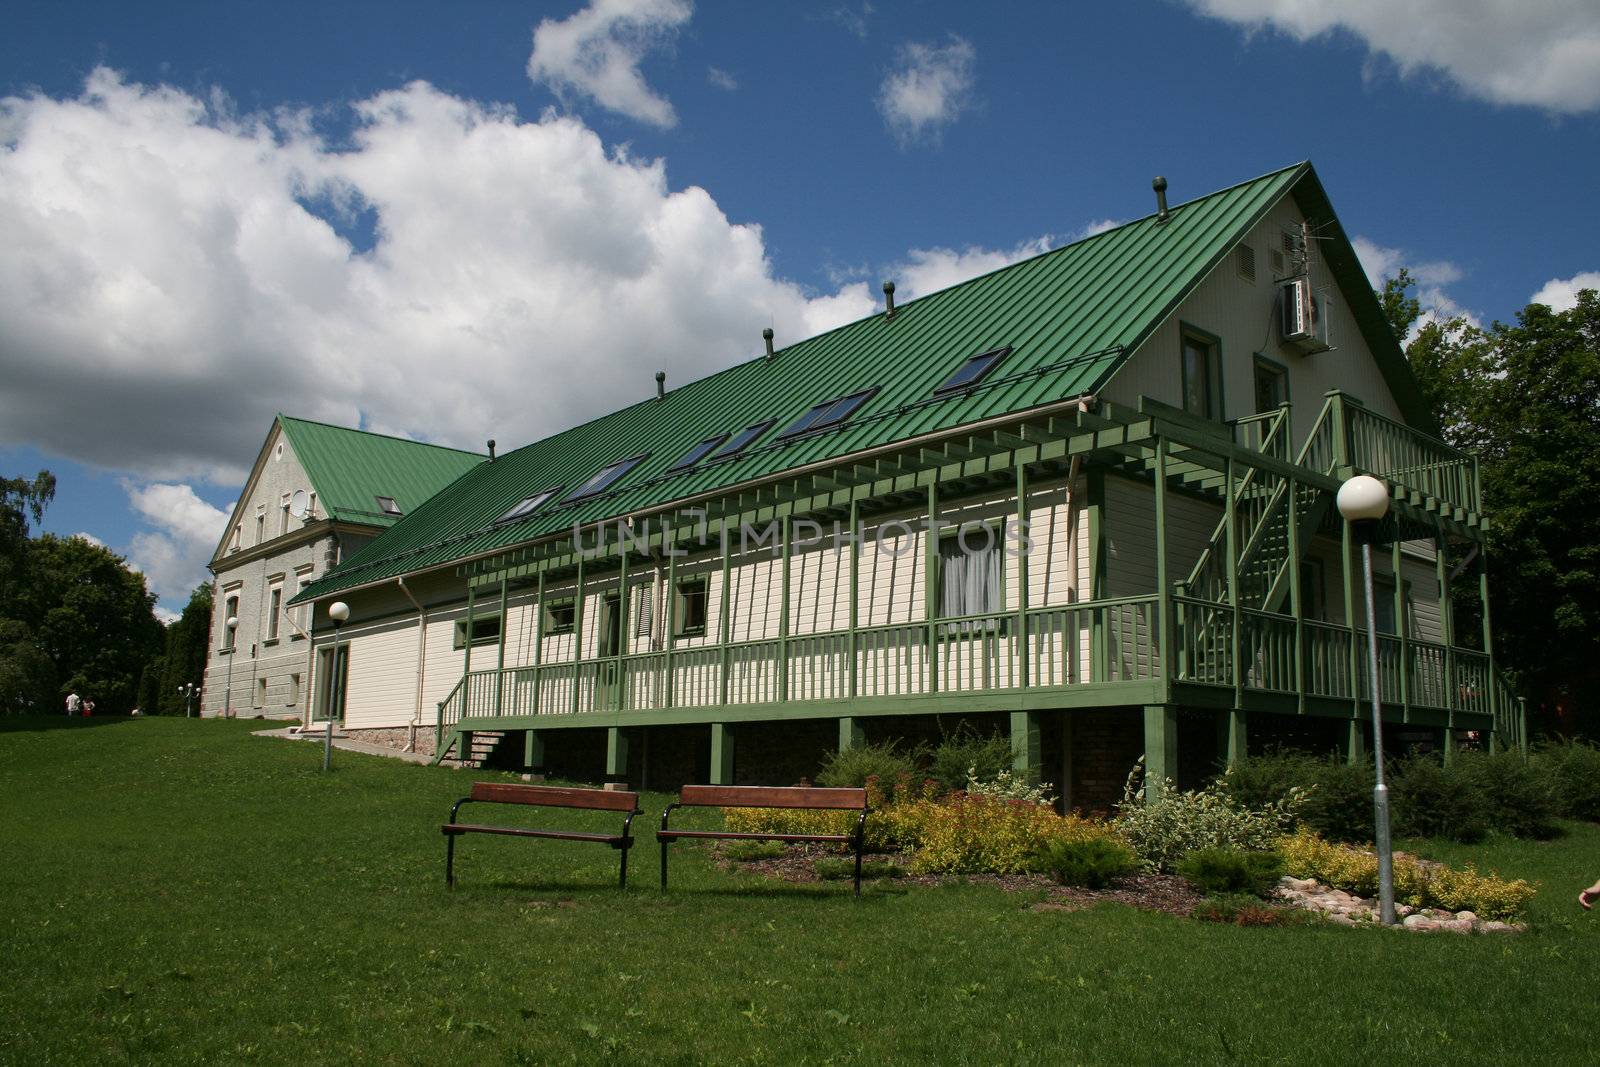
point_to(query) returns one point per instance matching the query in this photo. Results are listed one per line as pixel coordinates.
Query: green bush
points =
(1571, 774)
(1163, 831)
(850, 768)
(1335, 798)
(965, 754)
(1215, 871)
(1242, 909)
(1519, 799)
(1432, 800)
(750, 851)
(835, 868)
(1093, 862)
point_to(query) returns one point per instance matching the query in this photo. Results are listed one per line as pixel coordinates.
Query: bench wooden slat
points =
(551, 796)
(731, 835)
(757, 796)
(518, 831)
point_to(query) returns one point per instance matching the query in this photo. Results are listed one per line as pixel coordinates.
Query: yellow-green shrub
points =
(1306, 855)
(965, 833)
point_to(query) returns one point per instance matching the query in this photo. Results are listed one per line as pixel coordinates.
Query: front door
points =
(331, 683)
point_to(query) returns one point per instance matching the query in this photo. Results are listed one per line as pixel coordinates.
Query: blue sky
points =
(231, 210)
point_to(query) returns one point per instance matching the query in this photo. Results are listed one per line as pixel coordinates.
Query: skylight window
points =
(972, 370)
(698, 452)
(528, 506)
(604, 478)
(742, 440)
(829, 413)
(387, 505)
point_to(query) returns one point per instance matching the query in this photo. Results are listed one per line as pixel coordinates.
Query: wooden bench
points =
(750, 796)
(543, 796)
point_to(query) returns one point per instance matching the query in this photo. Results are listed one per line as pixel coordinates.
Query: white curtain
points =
(969, 577)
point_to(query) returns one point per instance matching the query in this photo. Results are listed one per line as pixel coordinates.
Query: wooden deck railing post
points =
(577, 632)
(1231, 512)
(1166, 624)
(724, 619)
(1297, 606)
(783, 615)
(500, 660)
(624, 629)
(1019, 642)
(1401, 629)
(855, 595)
(538, 640)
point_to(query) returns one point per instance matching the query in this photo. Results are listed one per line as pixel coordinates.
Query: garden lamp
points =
(227, 696)
(338, 611)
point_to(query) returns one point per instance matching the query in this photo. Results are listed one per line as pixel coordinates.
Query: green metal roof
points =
(1071, 316)
(350, 469)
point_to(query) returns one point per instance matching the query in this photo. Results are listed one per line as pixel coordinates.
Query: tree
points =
(19, 498)
(184, 659)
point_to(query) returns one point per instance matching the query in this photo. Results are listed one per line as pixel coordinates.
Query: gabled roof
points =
(1070, 316)
(350, 469)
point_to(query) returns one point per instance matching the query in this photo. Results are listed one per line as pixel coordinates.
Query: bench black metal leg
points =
(622, 883)
(449, 861)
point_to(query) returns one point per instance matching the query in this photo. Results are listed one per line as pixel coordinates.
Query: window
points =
(644, 605)
(690, 608)
(261, 693)
(1272, 385)
(238, 535)
(973, 369)
(387, 505)
(283, 516)
(274, 610)
(560, 616)
(333, 673)
(528, 506)
(969, 574)
(698, 452)
(605, 478)
(1201, 384)
(261, 526)
(829, 413)
(294, 690)
(230, 610)
(741, 440)
(302, 578)
(311, 507)
(485, 630)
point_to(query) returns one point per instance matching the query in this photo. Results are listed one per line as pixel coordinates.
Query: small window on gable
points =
(973, 369)
(484, 631)
(690, 619)
(560, 616)
(605, 478)
(741, 440)
(387, 505)
(528, 505)
(829, 413)
(698, 452)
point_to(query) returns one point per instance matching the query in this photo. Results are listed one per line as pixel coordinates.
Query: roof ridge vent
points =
(661, 385)
(1160, 186)
(766, 335)
(888, 300)
(491, 450)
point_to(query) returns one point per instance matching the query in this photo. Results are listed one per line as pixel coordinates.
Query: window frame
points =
(391, 508)
(548, 625)
(459, 632)
(952, 534)
(1262, 363)
(819, 417)
(681, 627)
(528, 506)
(229, 636)
(738, 442)
(699, 451)
(996, 356)
(274, 611)
(605, 478)
(1215, 396)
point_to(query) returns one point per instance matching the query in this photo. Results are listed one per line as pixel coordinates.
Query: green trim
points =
(680, 627)
(721, 754)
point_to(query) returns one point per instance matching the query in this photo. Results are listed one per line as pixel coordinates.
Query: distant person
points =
(1589, 896)
(74, 704)
(88, 708)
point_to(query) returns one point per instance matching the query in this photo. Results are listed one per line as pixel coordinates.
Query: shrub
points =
(834, 868)
(1163, 831)
(1216, 871)
(1307, 855)
(963, 833)
(1008, 786)
(966, 755)
(1334, 798)
(1092, 862)
(1571, 774)
(850, 768)
(750, 851)
(1432, 800)
(1245, 910)
(1519, 799)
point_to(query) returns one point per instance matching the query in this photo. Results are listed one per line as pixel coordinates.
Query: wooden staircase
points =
(484, 742)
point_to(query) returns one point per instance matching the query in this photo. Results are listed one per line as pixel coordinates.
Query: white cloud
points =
(596, 53)
(927, 270)
(166, 288)
(1544, 54)
(1382, 263)
(929, 88)
(721, 79)
(166, 615)
(854, 19)
(1095, 226)
(1561, 294)
(173, 556)
(91, 538)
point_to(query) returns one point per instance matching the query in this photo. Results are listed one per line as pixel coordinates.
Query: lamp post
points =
(1363, 501)
(338, 611)
(187, 690)
(227, 696)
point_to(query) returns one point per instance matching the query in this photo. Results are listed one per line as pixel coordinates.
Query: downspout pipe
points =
(422, 660)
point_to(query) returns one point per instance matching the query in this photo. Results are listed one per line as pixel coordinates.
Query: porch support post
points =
(463, 746)
(500, 659)
(783, 617)
(533, 751)
(724, 618)
(1231, 511)
(669, 597)
(1297, 606)
(1447, 622)
(616, 754)
(1447, 738)
(1019, 639)
(855, 603)
(538, 641)
(1497, 719)
(1235, 736)
(851, 735)
(1167, 629)
(930, 587)
(1064, 785)
(721, 754)
(1160, 748)
(624, 629)
(1025, 756)
(466, 647)
(1401, 629)
(577, 634)
(1094, 517)
(1347, 573)
(1355, 744)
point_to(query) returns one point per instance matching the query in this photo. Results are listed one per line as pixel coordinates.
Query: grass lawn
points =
(179, 891)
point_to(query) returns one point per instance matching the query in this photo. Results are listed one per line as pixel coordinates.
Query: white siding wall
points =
(1131, 535)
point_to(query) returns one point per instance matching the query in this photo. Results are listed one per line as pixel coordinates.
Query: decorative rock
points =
(1467, 916)
(1458, 926)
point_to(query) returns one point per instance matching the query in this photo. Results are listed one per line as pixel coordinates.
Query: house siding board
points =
(1075, 303)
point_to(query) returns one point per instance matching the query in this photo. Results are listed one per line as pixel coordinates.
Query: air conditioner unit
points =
(1303, 319)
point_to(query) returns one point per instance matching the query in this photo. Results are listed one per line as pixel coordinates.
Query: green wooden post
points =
(783, 618)
(1355, 743)
(624, 631)
(1347, 568)
(538, 640)
(616, 754)
(1231, 517)
(1025, 747)
(851, 734)
(1020, 640)
(669, 540)
(1094, 517)
(930, 586)
(1160, 748)
(725, 621)
(1488, 639)
(1167, 627)
(1447, 620)
(1296, 594)
(855, 597)
(1237, 726)
(500, 662)
(533, 751)
(463, 746)
(466, 650)
(577, 636)
(1401, 630)
(721, 754)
